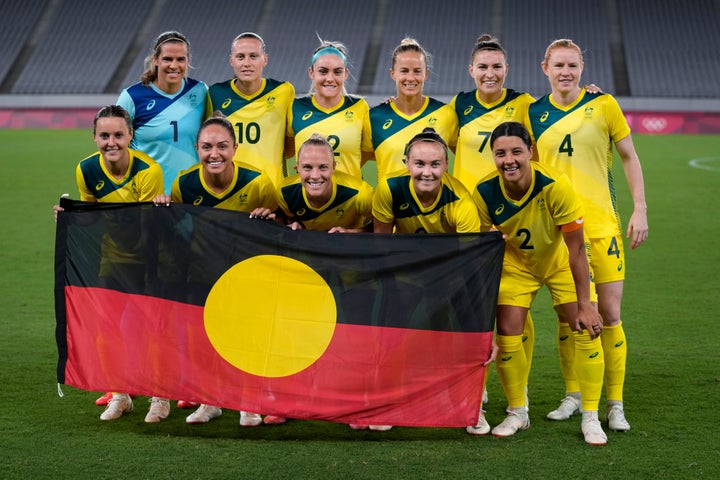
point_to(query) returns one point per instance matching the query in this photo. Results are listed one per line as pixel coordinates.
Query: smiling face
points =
(171, 63)
(216, 148)
(512, 159)
(427, 162)
(489, 70)
(112, 137)
(328, 75)
(409, 73)
(248, 61)
(316, 165)
(563, 67)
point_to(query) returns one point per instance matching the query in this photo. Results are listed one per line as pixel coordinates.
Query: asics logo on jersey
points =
(387, 124)
(100, 185)
(404, 206)
(340, 212)
(468, 110)
(150, 105)
(300, 212)
(500, 209)
(307, 115)
(544, 116)
(226, 103)
(198, 200)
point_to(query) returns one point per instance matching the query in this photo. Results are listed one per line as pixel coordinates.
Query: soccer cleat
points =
(186, 404)
(119, 404)
(274, 420)
(159, 410)
(591, 429)
(569, 406)
(355, 426)
(104, 399)
(380, 428)
(248, 419)
(482, 427)
(517, 419)
(203, 414)
(616, 419)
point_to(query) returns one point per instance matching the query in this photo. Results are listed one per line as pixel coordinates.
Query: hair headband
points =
(328, 51)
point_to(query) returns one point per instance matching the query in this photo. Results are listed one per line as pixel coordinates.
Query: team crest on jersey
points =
(243, 197)
(307, 115)
(468, 110)
(193, 99)
(349, 116)
(150, 105)
(198, 200)
(500, 209)
(387, 124)
(270, 102)
(134, 187)
(226, 103)
(100, 185)
(541, 203)
(432, 121)
(509, 111)
(544, 116)
(589, 112)
(340, 212)
(300, 212)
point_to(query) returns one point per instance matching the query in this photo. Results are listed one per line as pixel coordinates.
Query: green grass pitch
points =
(670, 316)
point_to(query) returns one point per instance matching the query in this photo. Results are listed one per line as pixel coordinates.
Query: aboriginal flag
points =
(208, 305)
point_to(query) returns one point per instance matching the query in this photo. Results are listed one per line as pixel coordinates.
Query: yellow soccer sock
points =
(589, 366)
(566, 350)
(615, 346)
(528, 339)
(512, 367)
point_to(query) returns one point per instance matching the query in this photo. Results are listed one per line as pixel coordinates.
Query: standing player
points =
(394, 123)
(219, 182)
(574, 131)
(257, 107)
(541, 218)
(329, 110)
(167, 107)
(117, 173)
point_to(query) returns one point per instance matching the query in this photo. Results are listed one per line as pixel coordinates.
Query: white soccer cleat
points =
(203, 414)
(117, 406)
(616, 419)
(517, 419)
(570, 405)
(482, 427)
(159, 410)
(248, 419)
(591, 429)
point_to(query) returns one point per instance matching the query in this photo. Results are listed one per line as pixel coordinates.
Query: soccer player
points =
(167, 107)
(574, 131)
(424, 198)
(257, 107)
(540, 215)
(478, 112)
(329, 110)
(117, 173)
(320, 197)
(392, 124)
(219, 182)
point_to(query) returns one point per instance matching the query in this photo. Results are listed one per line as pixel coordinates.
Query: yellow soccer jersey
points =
(141, 183)
(396, 202)
(349, 206)
(477, 120)
(577, 140)
(532, 225)
(391, 130)
(250, 188)
(259, 121)
(342, 126)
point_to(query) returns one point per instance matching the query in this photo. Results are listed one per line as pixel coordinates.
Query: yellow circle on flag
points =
(270, 316)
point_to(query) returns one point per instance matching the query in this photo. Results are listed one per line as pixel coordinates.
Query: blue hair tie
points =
(328, 51)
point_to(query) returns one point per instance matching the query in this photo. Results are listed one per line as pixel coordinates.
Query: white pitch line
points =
(702, 162)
